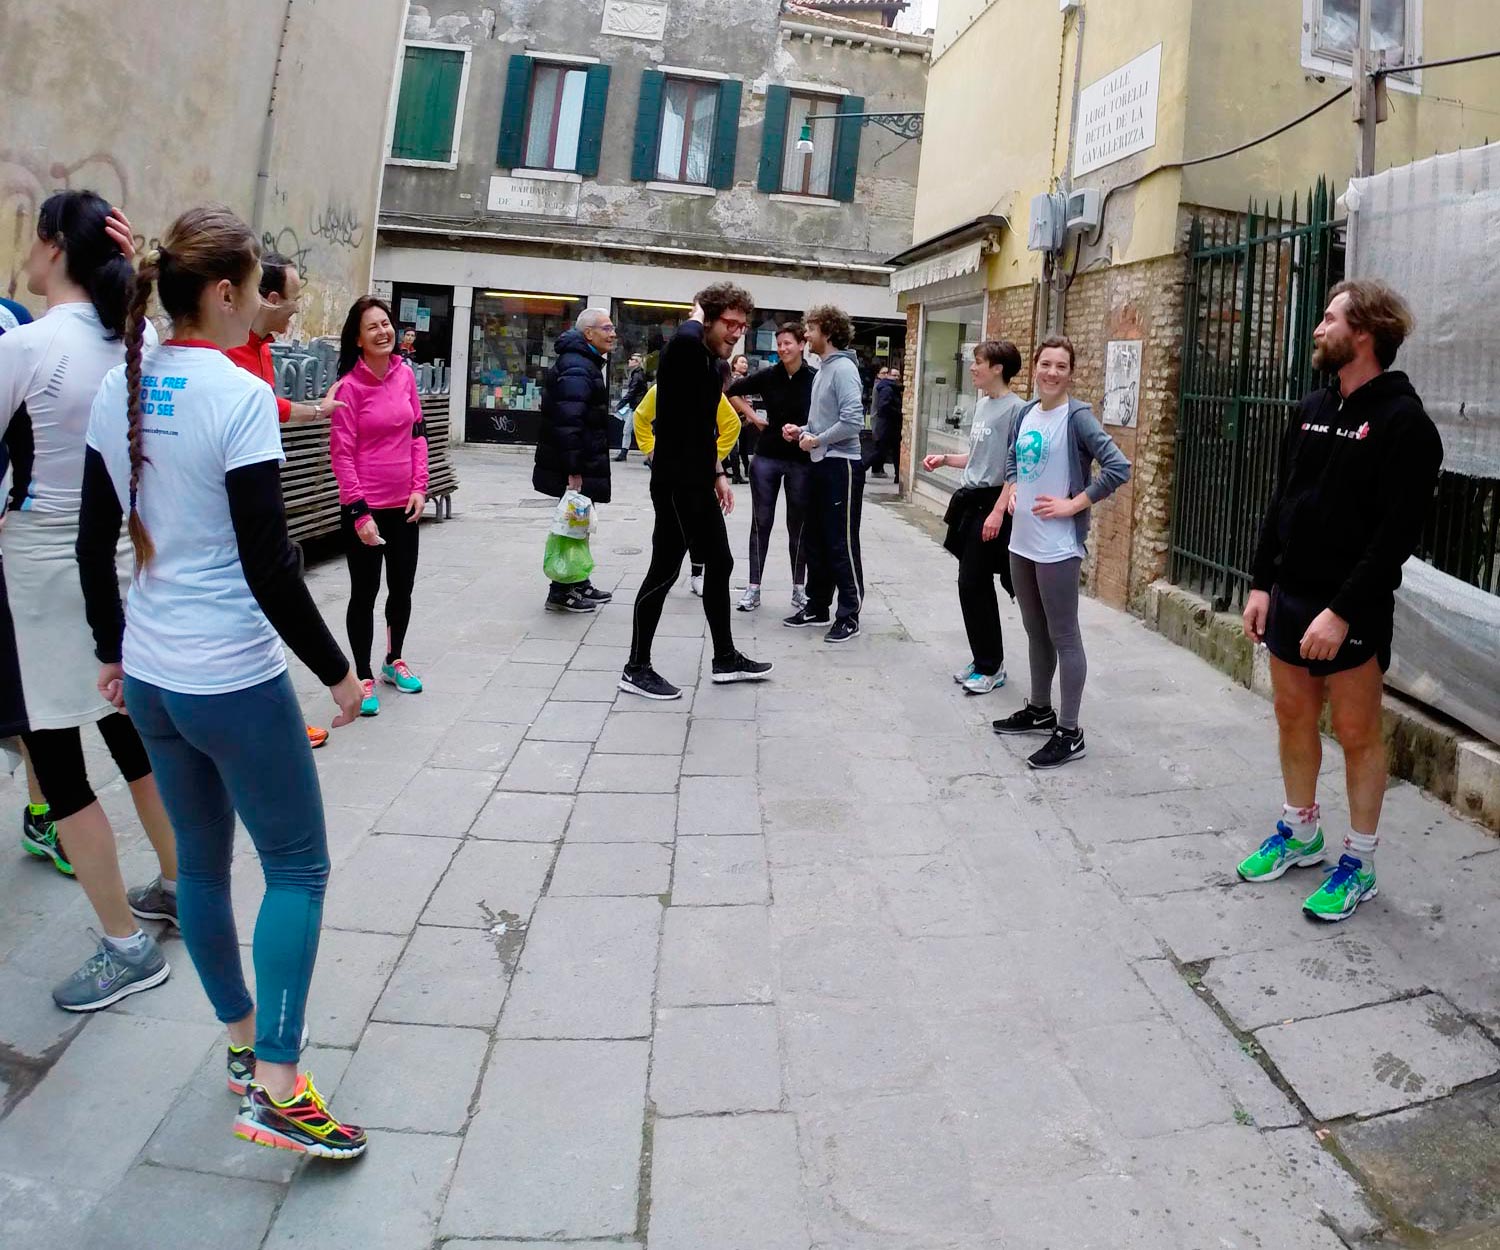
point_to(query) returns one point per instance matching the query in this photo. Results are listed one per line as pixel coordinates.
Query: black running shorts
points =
(1288, 618)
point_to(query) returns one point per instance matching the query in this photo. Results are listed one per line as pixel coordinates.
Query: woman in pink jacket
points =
(378, 445)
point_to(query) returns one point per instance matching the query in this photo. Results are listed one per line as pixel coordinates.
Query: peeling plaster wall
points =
(741, 40)
(165, 112)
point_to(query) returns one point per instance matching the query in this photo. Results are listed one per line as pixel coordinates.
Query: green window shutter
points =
(591, 129)
(846, 148)
(726, 136)
(773, 138)
(513, 113)
(427, 106)
(647, 126)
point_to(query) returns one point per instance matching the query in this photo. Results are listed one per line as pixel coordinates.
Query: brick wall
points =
(909, 400)
(1129, 538)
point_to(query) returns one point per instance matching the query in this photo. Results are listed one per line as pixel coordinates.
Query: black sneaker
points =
(593, 594)
(647, 682)
(843, 631)
(804, 617)
(740, 668)
(1062, 746)
(570, 600)
(1029, 720)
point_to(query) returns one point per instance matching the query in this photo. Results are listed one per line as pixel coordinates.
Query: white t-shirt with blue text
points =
(192, 625)
(1043, 449)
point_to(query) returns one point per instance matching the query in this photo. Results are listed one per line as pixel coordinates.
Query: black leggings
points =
(400, 558)
(57, 758)
(766, 477)
(688, 519)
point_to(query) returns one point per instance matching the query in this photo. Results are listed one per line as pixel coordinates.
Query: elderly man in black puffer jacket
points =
(572, 450)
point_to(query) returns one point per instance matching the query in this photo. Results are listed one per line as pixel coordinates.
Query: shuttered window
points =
(687, 130)
(553, 116)
(427, 121)
(809, 173)
(831, 169)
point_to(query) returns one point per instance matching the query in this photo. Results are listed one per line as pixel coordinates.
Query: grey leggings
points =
(1048, 598)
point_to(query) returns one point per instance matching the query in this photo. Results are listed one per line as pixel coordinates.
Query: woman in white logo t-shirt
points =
(186, 444)
(1049, 492)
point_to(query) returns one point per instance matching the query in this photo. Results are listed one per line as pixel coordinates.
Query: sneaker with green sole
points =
(39, 838)
(370, 704)
(1279, 852)
(1349, 883)
(399, 675)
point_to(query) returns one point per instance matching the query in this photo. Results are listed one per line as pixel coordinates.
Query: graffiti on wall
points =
(339, 226)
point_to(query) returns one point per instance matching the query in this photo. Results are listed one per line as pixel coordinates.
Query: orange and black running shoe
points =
(303, 1123)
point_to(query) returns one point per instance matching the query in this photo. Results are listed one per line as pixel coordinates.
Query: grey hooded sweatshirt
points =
(836, 413)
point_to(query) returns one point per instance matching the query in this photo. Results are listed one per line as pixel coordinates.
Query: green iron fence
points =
(1256, 289)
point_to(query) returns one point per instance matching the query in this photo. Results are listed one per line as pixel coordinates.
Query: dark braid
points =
(135, 333)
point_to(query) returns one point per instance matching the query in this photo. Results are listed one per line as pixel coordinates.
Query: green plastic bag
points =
(567, 560)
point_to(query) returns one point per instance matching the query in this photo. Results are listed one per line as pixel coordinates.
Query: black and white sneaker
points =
(648, 683)
(740, 668)
(843, 631)
(570, 600)
(804, 617)
(1064, 745)
(1029, 720)
(593, 594)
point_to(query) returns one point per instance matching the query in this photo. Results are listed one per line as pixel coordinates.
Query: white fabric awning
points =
(938, 268)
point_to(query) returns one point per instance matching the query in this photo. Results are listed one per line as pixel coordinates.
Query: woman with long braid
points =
(49, 372)
(186, 444)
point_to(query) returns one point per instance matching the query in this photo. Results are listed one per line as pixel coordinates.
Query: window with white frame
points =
(555, 117)
(689, 111)
(429, 106)
(809, 173)
(1330, 33)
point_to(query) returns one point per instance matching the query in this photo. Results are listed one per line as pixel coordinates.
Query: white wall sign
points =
(634, 19)
(1117, 114)
(1122, 382)
(534, 197)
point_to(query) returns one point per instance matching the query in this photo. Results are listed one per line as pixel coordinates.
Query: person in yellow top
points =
(645, 420)
(645, 441)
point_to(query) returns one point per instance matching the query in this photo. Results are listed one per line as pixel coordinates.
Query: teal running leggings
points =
(246, 753)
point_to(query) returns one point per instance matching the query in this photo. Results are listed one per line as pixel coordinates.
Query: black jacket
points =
(636, 387)
(787, 398)
(885, 406)
(574, 434)
(688, 388)
(1354, 490)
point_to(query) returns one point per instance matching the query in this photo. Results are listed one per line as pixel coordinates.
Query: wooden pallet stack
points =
(311, 494)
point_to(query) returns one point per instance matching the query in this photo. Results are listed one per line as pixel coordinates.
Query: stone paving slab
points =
(441, 802)
(546, 767)
(488, 881)
(390, 1199)
(713, 1060)
(413, 1077)
(477, 745)
(447, 976)
(612, 868)
(386, 883)
(713, 956)
(623, 818)
(631, 774)
(587, 971)
(516, 817)
(1270, 987)
(728, 1182)
(644, 733)
(568, 722)
(555, 1148)
(720, 871)
(1380, 1058)
(166, 1207)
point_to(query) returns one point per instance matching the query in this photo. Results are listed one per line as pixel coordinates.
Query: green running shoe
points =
(1279, 852)
(370, 704)
(399, 675)
(1348, 885)
(39, 838)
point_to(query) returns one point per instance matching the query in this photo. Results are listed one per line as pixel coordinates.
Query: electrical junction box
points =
(1048, 224)
(1084, 209)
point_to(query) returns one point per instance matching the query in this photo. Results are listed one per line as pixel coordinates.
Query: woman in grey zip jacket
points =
(1054, 444)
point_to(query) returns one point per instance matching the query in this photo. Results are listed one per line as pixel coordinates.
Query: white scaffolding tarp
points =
(1432, 230)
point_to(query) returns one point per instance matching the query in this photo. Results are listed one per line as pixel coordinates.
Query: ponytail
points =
(135, 333)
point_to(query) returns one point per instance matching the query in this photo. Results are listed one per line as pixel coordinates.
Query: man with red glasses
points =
(690, 490)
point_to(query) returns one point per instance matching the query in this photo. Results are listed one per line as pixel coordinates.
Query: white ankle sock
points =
(1303, 821)
(1362, 847)
(169, 886)
(132, 947)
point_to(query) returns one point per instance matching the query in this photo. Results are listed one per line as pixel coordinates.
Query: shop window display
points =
(945, 403)
(514, 341)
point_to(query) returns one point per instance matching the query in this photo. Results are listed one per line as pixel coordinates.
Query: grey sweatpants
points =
(1047, 595)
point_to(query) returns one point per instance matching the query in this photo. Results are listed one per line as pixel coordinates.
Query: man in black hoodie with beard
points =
(1359, 467)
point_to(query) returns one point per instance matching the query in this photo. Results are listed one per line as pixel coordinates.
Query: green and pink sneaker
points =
(399, 675)
(1349, 884)
(1281, 851)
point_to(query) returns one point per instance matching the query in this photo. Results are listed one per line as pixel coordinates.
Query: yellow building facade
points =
(1155, 85)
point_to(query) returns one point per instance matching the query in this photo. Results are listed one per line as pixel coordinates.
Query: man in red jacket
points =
(280, 292)
(280, 298)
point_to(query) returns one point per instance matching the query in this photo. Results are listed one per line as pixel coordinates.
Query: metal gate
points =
(1256, 289)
